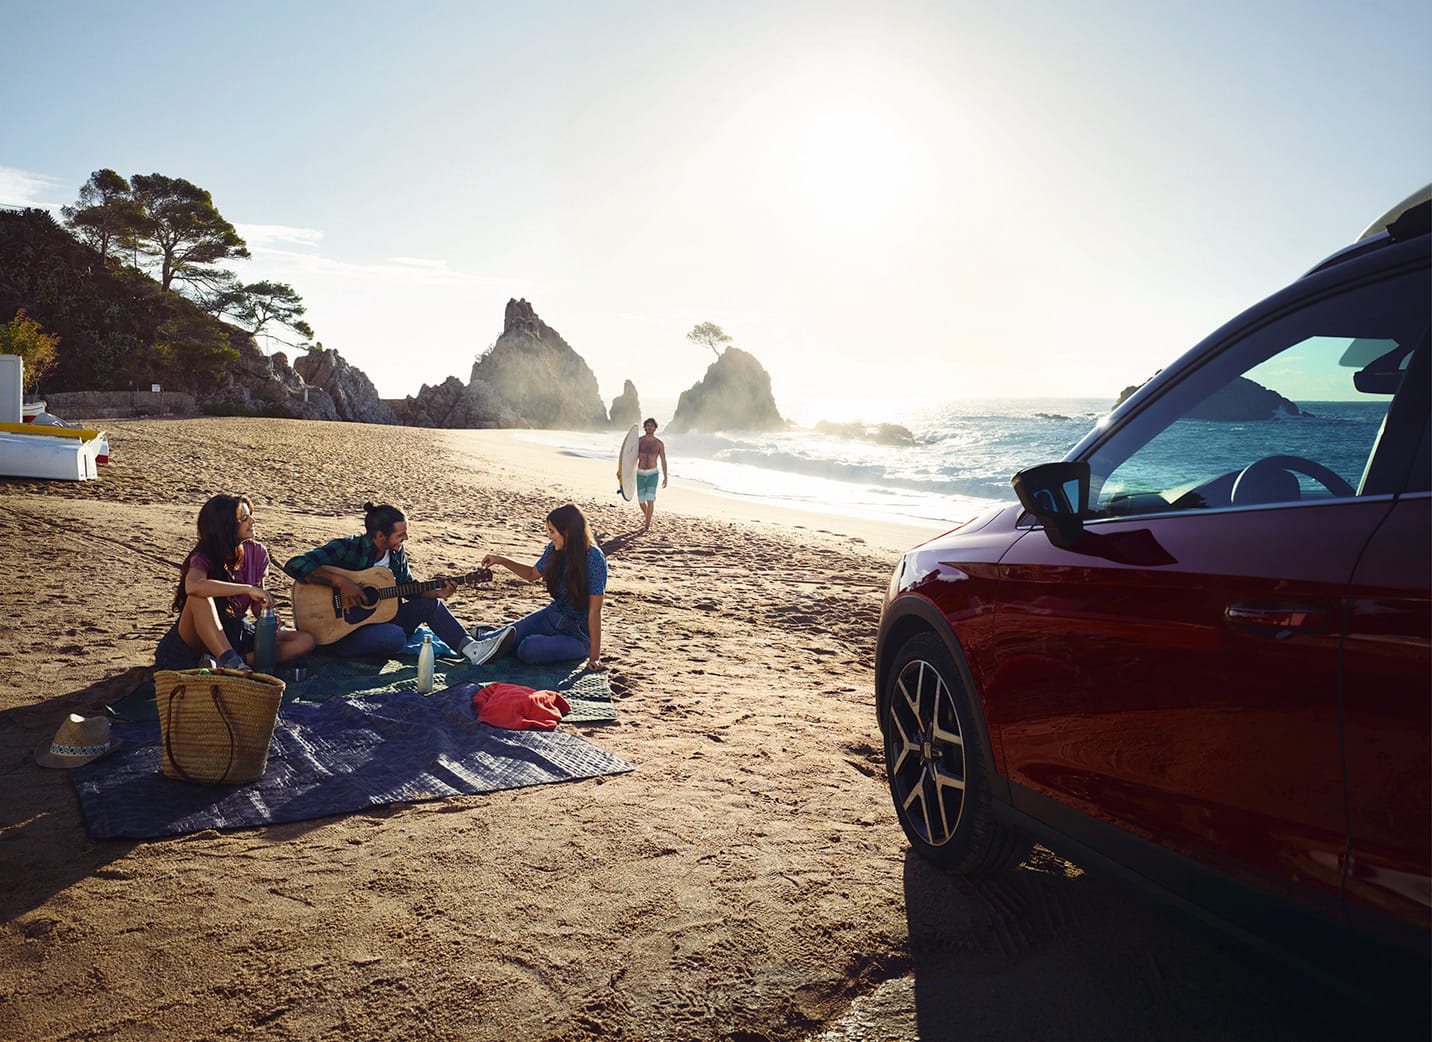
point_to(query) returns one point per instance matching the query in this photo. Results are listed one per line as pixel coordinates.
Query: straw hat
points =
(78, 741)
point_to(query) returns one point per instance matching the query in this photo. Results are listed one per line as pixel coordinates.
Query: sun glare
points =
(845, 156)
(851, 162)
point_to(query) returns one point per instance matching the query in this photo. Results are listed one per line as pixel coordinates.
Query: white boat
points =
(59, 453)
(36, 444)
(48, 419)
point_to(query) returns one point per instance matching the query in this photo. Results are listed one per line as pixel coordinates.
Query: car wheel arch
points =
(907, 617)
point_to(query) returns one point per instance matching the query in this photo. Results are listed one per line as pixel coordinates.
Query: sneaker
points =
(232, 660)
(490, 647)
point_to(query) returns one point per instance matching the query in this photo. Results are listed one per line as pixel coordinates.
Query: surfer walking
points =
(651, 451)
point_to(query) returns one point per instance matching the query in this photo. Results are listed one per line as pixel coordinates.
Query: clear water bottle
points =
(426, 664)
(266, 642)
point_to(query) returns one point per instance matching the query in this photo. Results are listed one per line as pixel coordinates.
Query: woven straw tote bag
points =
(216, 724)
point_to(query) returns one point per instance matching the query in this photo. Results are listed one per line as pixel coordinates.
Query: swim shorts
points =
(646, 485)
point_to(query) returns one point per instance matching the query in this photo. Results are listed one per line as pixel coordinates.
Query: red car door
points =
(1167, 675)
(1387, 681)
(1177, 668)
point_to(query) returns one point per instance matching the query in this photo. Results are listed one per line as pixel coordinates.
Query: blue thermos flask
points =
(266, 642)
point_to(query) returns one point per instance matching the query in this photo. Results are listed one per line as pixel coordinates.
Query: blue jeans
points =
(548, 635)
(387, 639)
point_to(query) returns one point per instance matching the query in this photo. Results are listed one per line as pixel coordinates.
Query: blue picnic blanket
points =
(589, 694)
(332, 757)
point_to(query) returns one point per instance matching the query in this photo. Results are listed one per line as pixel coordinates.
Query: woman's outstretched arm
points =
(522, 571)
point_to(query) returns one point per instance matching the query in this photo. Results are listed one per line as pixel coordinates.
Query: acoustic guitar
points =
(318, 609)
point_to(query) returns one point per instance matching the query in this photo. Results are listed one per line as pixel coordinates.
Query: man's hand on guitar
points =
(332, 602)
(349, 592)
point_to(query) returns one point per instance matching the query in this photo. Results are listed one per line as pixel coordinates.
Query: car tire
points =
(935, 764)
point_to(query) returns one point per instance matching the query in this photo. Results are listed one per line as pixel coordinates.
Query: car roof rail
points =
(1422, 197)
(1407, 220)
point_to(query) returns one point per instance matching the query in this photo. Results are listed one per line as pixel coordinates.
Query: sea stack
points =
(735, 394)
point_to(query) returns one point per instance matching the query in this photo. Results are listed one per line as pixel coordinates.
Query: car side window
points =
(1290, 412)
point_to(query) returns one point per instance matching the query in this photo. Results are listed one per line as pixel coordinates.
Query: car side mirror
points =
(1057, 496)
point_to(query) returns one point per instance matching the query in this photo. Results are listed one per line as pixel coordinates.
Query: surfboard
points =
(626, 463)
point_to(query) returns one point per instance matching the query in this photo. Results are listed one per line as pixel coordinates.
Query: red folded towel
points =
(519, 708)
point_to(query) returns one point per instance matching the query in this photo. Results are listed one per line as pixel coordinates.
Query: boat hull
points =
(58, 454)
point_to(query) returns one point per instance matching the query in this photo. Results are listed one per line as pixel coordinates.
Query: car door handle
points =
(1277, 621)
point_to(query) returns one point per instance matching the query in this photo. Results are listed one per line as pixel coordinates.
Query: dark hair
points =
(570, 562)
(382, 518)
(648, 420)
(218, 543)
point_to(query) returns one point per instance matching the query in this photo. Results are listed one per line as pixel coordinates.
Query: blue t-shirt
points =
(596, 580)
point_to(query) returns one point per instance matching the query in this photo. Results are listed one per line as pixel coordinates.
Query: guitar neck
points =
(415, 589)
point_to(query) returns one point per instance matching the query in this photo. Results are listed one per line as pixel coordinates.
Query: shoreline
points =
(592, 479)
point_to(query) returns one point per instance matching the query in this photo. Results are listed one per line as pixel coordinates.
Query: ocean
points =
(964, 454)
(959, 465)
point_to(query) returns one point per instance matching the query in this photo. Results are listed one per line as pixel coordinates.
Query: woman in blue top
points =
(575, 572)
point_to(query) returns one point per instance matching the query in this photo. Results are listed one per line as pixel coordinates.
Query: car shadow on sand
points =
(1050, 951)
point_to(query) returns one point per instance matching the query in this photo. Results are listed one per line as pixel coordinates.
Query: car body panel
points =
(1191, 697)
(939, 594)
(1388, 717)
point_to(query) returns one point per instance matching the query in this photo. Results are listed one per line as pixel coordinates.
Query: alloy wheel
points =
(926, 752)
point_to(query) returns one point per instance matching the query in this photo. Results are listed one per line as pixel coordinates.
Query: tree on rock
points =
(258, 305)
(275, 302)
(709, 334)
(182, 228)
(106, 213)
(37, 349)
(734, 395)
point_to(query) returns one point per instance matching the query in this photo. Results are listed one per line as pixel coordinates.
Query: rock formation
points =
(267, 386)
(533, 373)
(353, 395)
(1243, 400)
(529, 378)
(452, 405)
(626, 407)
(880, 433)
(735, 394)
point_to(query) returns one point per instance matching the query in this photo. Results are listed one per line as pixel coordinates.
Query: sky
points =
(890, 205)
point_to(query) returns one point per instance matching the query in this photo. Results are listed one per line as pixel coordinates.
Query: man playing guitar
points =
(381, 546)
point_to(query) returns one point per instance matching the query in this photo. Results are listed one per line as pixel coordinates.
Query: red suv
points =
(1197, 651)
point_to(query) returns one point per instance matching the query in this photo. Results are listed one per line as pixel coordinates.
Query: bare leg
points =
(293, 644)
(648, 507)
(199, 627)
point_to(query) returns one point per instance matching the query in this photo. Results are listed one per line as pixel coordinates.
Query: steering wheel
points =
(1259, 482)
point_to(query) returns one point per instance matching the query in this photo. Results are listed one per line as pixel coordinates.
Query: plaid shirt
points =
(354, 552)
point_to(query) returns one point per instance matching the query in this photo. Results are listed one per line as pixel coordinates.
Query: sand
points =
(748, 880)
